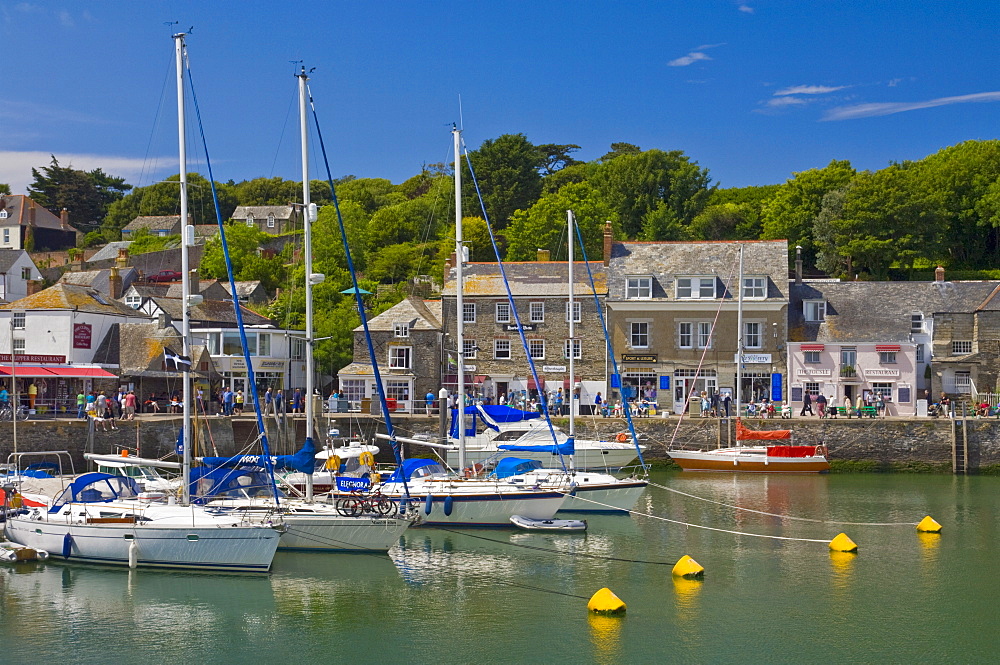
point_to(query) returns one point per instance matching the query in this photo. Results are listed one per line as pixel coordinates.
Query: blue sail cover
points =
(302, 461)
(220, 482)
(514, 466)
(565, 448)
(96, 488)
(404, 472)
(490, 415)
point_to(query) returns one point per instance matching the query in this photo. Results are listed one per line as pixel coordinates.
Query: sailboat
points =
(102, 518)
(238, 486)
(757, 457)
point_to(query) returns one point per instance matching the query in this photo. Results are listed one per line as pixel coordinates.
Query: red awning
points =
(479, 378)
(812, 347)
(880, 348)
(566, 382)
(533, 386)
(37, 371)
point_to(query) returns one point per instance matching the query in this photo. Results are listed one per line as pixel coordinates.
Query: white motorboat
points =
(587, 491)
(351, 458)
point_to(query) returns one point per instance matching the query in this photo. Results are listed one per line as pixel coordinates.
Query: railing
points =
(848, 372)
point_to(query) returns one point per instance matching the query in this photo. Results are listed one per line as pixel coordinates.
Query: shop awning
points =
(566, 382)
(480, 378)
(533, 386)
(38, 371)
(882, 348)
(812, 347)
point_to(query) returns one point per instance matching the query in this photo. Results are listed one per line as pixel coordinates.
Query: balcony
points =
(848, 372)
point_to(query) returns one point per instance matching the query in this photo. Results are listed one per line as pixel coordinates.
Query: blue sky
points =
(751, 90)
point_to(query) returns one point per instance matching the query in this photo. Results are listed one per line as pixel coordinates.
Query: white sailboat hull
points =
(475, 503)
(600, 455)
(587, 492)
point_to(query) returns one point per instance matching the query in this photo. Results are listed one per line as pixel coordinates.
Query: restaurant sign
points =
(527, 327)
(82, 334)
(32, 358)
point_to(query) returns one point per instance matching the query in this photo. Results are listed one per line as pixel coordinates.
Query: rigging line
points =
(786, 517)
(281, 137)
(156, 122)
(538, 548)
(704, 352)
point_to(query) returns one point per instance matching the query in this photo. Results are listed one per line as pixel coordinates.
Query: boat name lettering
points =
(350, 484)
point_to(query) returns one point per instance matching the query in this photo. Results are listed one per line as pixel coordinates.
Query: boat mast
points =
(739, 333)
(571, 397)
(186, 241)
(308, 217)
(459, 305)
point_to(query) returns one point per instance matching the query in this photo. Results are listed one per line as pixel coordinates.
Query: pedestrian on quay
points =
(81, 404)
(279, 404)
(268, 403)
(130, 403)
(879, 405)
(428, 402)
(807, 405)
(227, 402)
(821, 405)
(297, 401)
(238, 403)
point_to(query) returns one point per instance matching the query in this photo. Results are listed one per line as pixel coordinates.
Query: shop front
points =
(48, 386)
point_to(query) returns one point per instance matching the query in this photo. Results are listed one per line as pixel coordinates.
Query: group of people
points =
(827, 408)
(104, 408)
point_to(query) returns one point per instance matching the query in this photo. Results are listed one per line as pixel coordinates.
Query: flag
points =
(174, 361)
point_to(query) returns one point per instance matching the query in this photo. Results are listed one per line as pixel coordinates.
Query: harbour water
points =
(497, 596)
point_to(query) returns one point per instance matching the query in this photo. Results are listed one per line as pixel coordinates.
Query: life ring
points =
(366, 459)
(332, 463)
(622, 437)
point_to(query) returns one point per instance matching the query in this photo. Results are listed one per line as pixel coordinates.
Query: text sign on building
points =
(880, 372)
(754, 358)
(638, 358)
(30, 358)
(527, 327)
(553, 368)
(82, 335)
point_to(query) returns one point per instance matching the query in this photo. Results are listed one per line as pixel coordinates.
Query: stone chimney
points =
(121, 261)
(115, 284)
(64, 219)
(162, 320)
(939, 274)
(544, 254)
(449, 265)
(31, 212)
(33, 286)
(798, 264)
(609, 238)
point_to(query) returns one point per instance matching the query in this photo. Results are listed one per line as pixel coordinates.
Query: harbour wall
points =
(875, 442)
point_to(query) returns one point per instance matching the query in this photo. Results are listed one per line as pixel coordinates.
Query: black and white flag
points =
(175, 361)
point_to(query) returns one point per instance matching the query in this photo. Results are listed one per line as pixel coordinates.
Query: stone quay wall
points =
(890, 441)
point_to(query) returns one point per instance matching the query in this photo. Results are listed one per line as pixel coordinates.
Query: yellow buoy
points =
(929, 525)
(606, 602)
(842, 543)
(688, 567)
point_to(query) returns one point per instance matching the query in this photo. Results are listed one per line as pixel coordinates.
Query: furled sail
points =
(744, 433)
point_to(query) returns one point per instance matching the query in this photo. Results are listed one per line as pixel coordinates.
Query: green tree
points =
(556, 157)
(163, 198)
(543, 225)
(751, 202)
(244, 251)
(85, 194)
(720, 222)
(507, 170)
(144, 242)
(371, 193)
(619, 149)
(4, 188)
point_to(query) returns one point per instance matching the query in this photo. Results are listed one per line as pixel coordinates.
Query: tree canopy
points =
(87, 195)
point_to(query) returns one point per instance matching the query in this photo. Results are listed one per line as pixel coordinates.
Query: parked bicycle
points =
(360, 502)
(7, 412)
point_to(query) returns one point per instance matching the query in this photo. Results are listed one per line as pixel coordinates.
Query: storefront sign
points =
(81, 335)
(271, 364)
(553, 368)
(880, 372)
(527, 327)
(808, 371)
(637, 358)
(754, 358)
(470, 368)
(28, 358)
(238, 363)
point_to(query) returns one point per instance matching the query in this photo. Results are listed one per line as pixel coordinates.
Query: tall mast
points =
(186, 241)
(459, 305)
(571, 397)
(308, 217)
(739, 331)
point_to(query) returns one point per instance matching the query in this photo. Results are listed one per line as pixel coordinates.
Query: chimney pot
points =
(609, 237)
(115, 284)
(939, 274)
(798, 264)
(544, 254)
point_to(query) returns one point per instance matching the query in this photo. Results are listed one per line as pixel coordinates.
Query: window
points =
(755, 287)
(469, 349)
(6, 234)
(814, 310)
(501, 349)
(25, 273)
(18, 346)
(812, 389)
(270, 221)
(214, 344)
(751, 335)
(503, 312)
(468, 312)
(576, 312)
(883, 389)
(920, 353)
(298, 349)
(399, 357)
(231, 344)
(639, 335)
(263, 344)
(537, 312)
(19, 320)
(704, 335)
(536, 347)
(684, 335)
(638, 287)
(249, 219)
(811, 356)
(695, 287)
(577, 349)
(353, 390)
(398, 390)
(3, 214)
(961, 347)
(401, 329)
(887, 357)
(917, 322)
(133, 301)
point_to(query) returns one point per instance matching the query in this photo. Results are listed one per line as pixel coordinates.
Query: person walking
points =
(807, 405)
(81, 405)
(227, 402)
(860, 402)
(130, 403)
(821, 405)
(268, 403)
(429, 402)
(297, 401)
(879, 405)
(238, 403)
(279, 404)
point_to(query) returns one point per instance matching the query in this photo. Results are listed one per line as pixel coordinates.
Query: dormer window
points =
(250, 220)
(696, 288)
(917, 322)
(401, 329)
(3, 214)
(270, 221)
(639, 288)
(814, 310)
(755, 287)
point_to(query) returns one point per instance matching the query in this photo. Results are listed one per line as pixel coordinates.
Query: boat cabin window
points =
(510, 435)
(428, 470)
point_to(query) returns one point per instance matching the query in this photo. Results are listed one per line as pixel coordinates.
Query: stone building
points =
(673, 318)
(269, 219)
(495, 359)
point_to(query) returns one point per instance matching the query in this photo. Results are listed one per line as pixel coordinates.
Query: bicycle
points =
(7, 412)
(360, 502)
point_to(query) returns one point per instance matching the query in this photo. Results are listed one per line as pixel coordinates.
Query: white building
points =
(278, 357)
(16, 270)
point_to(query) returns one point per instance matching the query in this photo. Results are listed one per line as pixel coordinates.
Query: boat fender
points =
(67, 545)
(429, 504)
(133, 555)
(448, 505)
(622, 437)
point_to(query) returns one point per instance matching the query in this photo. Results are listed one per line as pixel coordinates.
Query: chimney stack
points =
(121, 261)
(544, 254)
(939, 274)
(64, 219)
(609, 237)
(115, 284)
(32, 286)
(798, 264)
(31, 212)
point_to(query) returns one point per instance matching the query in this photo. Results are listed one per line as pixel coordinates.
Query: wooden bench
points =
(869, 411)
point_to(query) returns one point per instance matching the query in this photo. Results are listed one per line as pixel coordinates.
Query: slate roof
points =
(243, 289)
(542, 279)
(154, 223)
(18, 207)
(70, 296)
(141, 351)
(261, 212)
(412, 310)
(667, 260)
(110, 251)
(210, 312)
(8, 257)
(100, 279)
(880, 311)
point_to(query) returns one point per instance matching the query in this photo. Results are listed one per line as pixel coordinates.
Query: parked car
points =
(164, 276)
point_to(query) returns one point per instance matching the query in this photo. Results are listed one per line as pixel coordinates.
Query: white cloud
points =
(809, 90)
(778, 102)
(888, 108)
(746, 9)
(688, 59)
(705, 47)
(15, 166)
(894, 82)
(66, 19)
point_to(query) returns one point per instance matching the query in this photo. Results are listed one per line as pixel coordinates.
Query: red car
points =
(164, 276)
